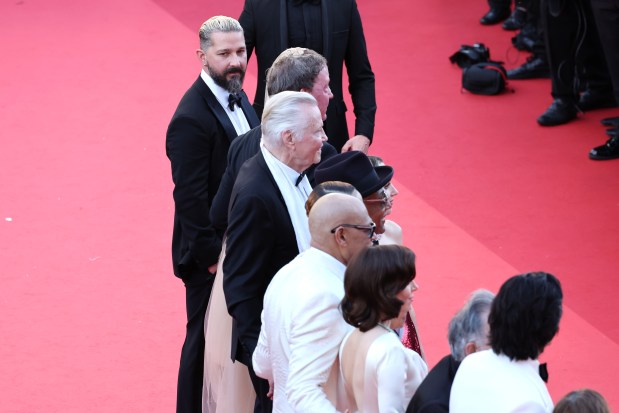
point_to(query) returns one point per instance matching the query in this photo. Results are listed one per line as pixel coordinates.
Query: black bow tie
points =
(299, 179)
(543, 372)
(234, 99)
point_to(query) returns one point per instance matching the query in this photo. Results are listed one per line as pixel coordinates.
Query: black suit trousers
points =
(198, 288)
(574, 50)
(606, 14)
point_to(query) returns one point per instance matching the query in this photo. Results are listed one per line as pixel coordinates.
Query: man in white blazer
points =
(302, 326)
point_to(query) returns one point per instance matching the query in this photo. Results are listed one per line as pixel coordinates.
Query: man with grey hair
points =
(268, 226)
(468, 333)
(197, 142)
(295, 69)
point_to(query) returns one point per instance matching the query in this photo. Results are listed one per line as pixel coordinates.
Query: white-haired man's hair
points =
(284, 112)
(223, 24)
(468, 324)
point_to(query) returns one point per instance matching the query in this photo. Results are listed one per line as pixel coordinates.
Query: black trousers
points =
(191, 371)
(573, 46)
(606, 13)
(261, 386)
(499, 4)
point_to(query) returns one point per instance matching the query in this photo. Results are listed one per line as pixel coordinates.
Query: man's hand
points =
(271, 387)
(357, 143)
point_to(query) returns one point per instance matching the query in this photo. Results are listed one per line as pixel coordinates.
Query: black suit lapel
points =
(283, 25)
(216, 108)
(248, 110)
(263, 164)
(327, 28)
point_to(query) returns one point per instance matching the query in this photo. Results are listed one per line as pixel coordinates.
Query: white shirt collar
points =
(237, 117)
(328, 261)
(290, 174)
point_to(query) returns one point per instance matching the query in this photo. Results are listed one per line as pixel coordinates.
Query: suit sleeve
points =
(247, 22)
(219, 209)
(361, 84)
(189, 150)
(249, 247)
(315, 337)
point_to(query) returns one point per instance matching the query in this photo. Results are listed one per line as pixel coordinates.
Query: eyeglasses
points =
(369, 228)
(385, 200)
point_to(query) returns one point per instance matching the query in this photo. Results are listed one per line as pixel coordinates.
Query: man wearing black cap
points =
(355, 168)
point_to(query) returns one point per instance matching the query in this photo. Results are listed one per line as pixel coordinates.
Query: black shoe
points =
(516, 20)
(612, 132)
(495, 16)
(610, 121)
(610, 150)
(534, 68)
(596, 99)
(559, 112)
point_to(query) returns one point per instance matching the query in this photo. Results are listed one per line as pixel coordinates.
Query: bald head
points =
(331, 212)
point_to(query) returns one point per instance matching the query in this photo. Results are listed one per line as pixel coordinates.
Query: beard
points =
(232, 85)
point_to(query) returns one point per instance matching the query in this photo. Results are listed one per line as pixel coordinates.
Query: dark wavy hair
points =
(372, 280)
(525, 315)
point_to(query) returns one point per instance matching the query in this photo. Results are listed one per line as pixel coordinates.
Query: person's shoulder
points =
(247, 144)
(253, 170)
(193, 103)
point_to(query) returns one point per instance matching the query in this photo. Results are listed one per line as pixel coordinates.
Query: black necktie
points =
(234, 99)
(299, 179)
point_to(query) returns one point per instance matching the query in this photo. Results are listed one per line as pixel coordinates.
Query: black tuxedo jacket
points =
(243, 148)
(197, 143)
(260, 241)
(266, 30)
(432, 396)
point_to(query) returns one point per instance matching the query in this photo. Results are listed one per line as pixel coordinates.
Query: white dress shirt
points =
(237, 116)
(491, 383)
(294, 196)
(302, 329)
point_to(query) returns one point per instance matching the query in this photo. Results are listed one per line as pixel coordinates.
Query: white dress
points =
(227, 387)
(391, 372)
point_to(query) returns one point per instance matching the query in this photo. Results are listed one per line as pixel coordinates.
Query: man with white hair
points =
(212, 113)
(267, 225)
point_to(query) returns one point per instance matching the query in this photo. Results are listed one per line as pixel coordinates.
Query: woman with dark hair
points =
(393, 235)
(372, 178)
(523, 319)
(380, 374)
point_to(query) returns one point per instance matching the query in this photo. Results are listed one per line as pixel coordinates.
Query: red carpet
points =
(91, 318)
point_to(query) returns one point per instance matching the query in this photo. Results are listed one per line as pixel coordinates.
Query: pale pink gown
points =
(227, 387)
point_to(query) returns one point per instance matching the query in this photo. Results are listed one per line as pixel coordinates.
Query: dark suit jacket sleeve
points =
(219, 209)
(361, 78)
(247, 22)
(189, 149)
(249, 248)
